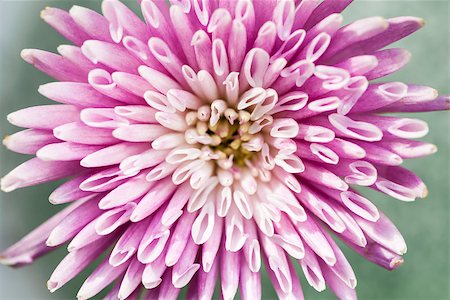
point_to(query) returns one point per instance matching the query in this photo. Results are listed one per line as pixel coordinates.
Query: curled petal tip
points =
(396, 262)
(425, 192)
(181, 280)
(45, 12)
(153, 284)
(4, 260)
(53, 286)
(5, 141)
(422, 22)
(446, 102)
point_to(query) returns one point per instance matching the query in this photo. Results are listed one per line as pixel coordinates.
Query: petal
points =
(36, 171)
(44, 117)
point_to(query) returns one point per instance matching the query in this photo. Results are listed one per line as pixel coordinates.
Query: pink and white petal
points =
(65, 151)
(76, 93)
(211, 247)
(74, 262)
(131, 280)
(112, 219)
(80, 133)
(179, 239)
(389, 61)
(154, 271)
(64, 24)
(74, 222)
(229, 273)
(69, 191)
(123, 21)
(111, 55)
(102, 276)
(36, 171)
(45, 117)
(249, 283)
(54, 65)
(113, 155)
(128, 243)
(338, 286)
(132, 83)
(438, 104)
(377, 254)
(33, 245)
(185, 268)
(29, 141)
(385, 233)
(325, 9)
(167, 291)
(206, 281)
(93, 23)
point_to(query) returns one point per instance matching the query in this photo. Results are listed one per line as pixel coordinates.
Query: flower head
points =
(217, 135)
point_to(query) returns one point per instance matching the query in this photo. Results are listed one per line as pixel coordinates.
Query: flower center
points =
(225, 134)
(231, 133)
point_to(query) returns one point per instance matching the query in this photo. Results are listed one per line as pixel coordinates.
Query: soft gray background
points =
(424, 224)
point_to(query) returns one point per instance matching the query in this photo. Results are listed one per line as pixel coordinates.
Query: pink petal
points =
(44, 117)
(36, 171)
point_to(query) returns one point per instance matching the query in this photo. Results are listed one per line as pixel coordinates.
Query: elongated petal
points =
(44, 117)
(29, 141)
(36, 171)
(75, 262)
(54, 65)
(79, 94)
(99, 279)
(62, 22)
(33, 244)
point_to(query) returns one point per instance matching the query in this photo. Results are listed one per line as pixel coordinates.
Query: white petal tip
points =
(403, 250)
(352, 282)
(168, 220)
(81, 297)
(6, 141)
(152, 284)
(8, 184)
(433, 149)
(421, 22)
(330, 260)
(228, 294)
(50, 243)
(42, 89)
(170, 261)
(135, 217)
(52, 240)
(52, 286)
(320, 288)
(181, 280)
(27, 55)
(207, 262)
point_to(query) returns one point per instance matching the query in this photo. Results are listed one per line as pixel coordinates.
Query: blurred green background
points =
(424, 224)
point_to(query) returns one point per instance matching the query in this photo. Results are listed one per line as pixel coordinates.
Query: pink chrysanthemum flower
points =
(215, 136)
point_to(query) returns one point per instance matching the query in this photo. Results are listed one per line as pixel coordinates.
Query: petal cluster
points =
(211, 137)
